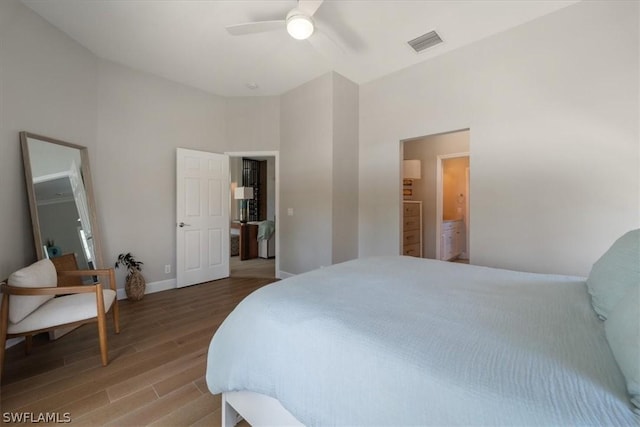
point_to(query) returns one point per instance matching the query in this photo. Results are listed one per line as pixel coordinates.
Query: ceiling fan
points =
(299, 24)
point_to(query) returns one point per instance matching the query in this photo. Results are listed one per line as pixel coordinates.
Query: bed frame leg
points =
(230, 416)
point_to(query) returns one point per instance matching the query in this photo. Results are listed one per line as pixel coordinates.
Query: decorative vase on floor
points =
(135, 286)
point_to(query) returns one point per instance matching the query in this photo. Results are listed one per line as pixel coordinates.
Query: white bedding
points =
(407, 341)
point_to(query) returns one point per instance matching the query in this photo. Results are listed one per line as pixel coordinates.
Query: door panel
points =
(215, 198)
(215, 254)
(192, 197)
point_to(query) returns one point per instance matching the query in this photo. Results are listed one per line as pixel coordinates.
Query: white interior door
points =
(202, 206)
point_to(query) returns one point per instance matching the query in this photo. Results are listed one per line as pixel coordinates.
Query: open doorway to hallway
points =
(438, 195)
(254, 202)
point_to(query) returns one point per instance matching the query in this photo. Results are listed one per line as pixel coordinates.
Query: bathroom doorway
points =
(452, 207)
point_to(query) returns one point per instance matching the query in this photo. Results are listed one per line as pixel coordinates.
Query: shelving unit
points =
(412, 228)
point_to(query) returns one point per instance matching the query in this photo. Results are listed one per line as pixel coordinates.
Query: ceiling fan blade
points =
(255, 27)
(326, 45)
(309, 7)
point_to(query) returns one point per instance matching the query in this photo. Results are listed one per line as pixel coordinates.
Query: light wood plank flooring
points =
(157, 362)
(257, 267)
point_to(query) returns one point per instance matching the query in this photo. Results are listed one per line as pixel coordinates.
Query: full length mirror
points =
(61, 200)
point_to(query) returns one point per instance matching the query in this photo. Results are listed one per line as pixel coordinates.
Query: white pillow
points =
(615, 273)
(622, 328)
(41, 274)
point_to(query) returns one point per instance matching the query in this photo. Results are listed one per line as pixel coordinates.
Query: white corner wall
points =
(345, 170)
(305, 176)
(552, 108)
(319, 173)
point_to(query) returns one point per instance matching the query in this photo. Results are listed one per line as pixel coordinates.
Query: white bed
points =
(406, 341)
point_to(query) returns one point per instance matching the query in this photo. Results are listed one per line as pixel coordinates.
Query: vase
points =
(135, 286)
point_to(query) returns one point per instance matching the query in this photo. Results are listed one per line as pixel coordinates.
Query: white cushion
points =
(41, 274)
(615, 273)
(62, 310)
(622, 328)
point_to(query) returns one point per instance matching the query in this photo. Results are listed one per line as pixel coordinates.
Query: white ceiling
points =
(186, 41)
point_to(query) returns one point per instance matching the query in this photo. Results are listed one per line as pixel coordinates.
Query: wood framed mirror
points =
(63, 211)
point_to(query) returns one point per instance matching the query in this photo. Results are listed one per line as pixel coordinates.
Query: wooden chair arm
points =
(58, 290)
(104, 272)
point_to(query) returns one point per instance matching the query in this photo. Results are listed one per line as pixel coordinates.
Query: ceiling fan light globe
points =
(300, 27)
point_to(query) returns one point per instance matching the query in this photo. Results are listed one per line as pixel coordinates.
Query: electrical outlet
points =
(290, 211)
(167, 269)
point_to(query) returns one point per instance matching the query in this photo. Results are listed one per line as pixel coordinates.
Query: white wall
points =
(345, 170)
(319, 158)
(253, 123)
(48, 85)
(142, 119)
(305, 176)
(552, 108)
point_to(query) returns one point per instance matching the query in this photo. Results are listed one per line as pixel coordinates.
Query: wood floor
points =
(157, 362)
(257, 267)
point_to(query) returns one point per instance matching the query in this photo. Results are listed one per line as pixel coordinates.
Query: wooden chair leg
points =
(102, 334)
(114, 308)
(102, 326)
(116, 316)
(4, 325)
(28, 344)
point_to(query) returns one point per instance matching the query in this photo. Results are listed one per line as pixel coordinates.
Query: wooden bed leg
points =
(229, 415)
(28, 344)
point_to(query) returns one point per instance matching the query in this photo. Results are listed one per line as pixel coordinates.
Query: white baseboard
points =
(152, 288)
(284, 275)
(165, 285)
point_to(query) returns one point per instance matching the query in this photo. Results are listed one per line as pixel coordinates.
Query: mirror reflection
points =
(60, 200)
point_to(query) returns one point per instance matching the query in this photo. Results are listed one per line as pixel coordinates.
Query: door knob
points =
(182, 224)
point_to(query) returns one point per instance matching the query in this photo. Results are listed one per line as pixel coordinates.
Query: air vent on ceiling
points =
(425, 41)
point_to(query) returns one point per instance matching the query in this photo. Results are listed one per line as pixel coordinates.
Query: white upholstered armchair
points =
(29, 306)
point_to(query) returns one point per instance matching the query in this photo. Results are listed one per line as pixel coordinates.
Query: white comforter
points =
(406, 341)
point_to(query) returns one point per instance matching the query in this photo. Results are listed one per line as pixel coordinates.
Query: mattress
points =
(408, 341)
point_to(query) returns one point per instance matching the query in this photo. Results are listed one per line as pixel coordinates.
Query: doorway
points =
(425, 190)
(452, 207)
(258, 170)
